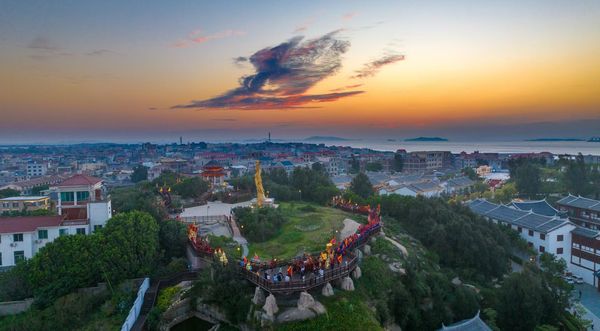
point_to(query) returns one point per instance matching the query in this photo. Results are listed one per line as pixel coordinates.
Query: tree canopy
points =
(361, 185)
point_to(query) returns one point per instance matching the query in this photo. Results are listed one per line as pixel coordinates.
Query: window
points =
(559, 250)
(530, 244)
(542, 236)
(97, 227)
(531, 233)
(542, 249)
(63, 232)
(42, 234)
(19, 256)
(83, 196)
(80, 230)
(67, 196)
(5, 205)
(560, 237)
(520, 229)
(17, 237)
(15, 205)
(0, 259)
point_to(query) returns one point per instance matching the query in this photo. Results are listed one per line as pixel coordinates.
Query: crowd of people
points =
(306, 266)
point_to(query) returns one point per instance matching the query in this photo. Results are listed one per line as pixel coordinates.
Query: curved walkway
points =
(237, 236)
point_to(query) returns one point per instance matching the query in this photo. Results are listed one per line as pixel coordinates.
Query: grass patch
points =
(306, 228)
(345, 311)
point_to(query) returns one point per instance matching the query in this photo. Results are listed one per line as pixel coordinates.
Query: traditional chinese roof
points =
(541, 207)
(28, 223)
(584, 232)
(580, 202)
(473, 324)
(520, 218)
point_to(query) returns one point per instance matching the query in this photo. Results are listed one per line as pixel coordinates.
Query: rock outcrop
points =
(327, 290)
(307, 308)
(367, 249)
(356, 273)
(347, 284)
(270, 306)
(259, 297)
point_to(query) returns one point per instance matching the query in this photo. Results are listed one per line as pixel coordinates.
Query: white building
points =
(36, 169)
(82, 208)
(23, 237)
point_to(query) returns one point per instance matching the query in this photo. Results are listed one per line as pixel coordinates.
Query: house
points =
(82, 198)
(22, 237)
(24, 203)
(581, 211)
(541, 207)
(426, 189)
(585, 251)
(458, 185)
(473, 324)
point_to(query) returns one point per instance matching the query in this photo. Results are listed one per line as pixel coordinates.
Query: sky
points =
(216, 70)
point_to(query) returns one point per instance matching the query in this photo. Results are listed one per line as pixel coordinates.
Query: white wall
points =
(8, 257)
(99, 213)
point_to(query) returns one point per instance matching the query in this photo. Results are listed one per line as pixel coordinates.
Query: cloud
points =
(349, 16)
(198, 37)
(284, 73)
(371, 68)
(347, 87)
(304, 26)
(224, 120)
(98, 52)
(43, 44)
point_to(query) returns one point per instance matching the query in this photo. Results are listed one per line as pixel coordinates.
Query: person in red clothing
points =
(290, 271)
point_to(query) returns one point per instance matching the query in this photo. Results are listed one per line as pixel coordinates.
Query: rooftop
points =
(473, 324)
(79, 180)
(28, 223)
(580, 202)
(541, 207)
(24, 198)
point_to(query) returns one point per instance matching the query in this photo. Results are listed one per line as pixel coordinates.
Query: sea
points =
(555, 147)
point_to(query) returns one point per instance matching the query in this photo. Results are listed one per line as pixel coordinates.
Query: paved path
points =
(237, 236)
(590, 299)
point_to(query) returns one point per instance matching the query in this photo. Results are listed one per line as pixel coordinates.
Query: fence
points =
(137, 306)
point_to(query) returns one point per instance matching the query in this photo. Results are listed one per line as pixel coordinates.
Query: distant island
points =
(326, 138)
(555, 139)
(594, 140)
(426, 139)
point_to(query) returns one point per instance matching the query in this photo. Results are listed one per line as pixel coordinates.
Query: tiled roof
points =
(580, 202)
(473, 324)
(79, 180)
(541, 207)
(589, 233)
(27, 223)
(524, 219)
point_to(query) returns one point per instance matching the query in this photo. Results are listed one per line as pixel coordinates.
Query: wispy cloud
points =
(284, 73)
(98, 52)
(199, 37)
(305, 25)
(371, 68)
(43, 44)
(349, 16)
(347, 87)
(224, 120)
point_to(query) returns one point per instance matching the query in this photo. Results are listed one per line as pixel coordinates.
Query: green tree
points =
(191, 187)
(361, 185)
(38, 189)
(173, 239)
(354, 165)
(129, 245)
(374, 166)
(527, 179)
(506, 193)
(577, 177)
(8, 192)
(398, 164)
(139, 174)
(469, 172)
(520, 302)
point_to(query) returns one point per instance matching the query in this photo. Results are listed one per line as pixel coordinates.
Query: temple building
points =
(214, 173)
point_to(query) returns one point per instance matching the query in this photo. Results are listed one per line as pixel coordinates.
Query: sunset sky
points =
(216, 70)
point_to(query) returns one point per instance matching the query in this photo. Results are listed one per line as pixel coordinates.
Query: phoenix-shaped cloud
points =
(284, 73)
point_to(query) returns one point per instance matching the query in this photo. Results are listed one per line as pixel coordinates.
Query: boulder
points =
(347, 284)
(318, 308)
(259, 297)
(270, 306)
(456, 281)
(327, 290)
(305, 301)
(295, 314)
(356, 273)
(367, 250)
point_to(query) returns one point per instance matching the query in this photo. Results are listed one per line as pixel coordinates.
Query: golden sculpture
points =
(260, 191)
